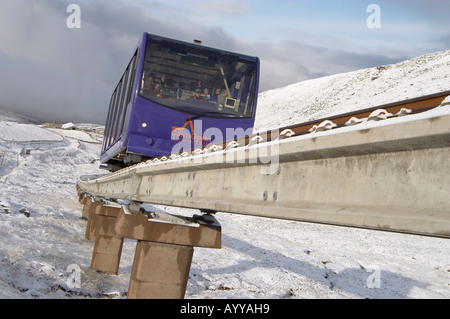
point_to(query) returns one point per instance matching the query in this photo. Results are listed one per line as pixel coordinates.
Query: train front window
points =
(199, 81)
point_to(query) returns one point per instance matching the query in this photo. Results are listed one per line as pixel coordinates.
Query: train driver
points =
(221, 98)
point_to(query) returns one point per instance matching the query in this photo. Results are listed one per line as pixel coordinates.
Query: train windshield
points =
(199, 81)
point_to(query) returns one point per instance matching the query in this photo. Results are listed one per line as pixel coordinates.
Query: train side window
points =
(108, 122)
(118, 107)
(115, 109)
(124, 102)
(131, 83)
(118, 104)
(132, 79)
(121, 103)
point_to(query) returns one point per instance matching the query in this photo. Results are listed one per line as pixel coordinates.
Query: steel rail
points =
(390, 177)
(414, 105)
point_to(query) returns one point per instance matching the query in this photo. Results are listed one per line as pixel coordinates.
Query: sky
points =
(52, 72)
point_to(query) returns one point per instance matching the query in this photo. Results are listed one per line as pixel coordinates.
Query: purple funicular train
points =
(176, 93)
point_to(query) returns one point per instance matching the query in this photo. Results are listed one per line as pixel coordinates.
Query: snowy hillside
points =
(42, 234)
(340, 93)
(14, 117)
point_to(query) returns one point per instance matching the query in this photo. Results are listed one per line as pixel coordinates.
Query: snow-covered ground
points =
(341, 93)
(14, 117)
(42, 233)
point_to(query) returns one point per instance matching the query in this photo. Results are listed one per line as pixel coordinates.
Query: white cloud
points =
(222, 7)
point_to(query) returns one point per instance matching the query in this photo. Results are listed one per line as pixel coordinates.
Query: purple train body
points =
(175, 94)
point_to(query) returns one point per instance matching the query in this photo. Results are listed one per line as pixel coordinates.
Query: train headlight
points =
(144, 125)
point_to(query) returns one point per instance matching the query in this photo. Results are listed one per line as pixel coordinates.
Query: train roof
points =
(200, 47)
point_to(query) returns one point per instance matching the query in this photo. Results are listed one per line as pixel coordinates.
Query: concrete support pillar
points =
(81, 195)
(164, 250)
(86, 202)
(108, 246)
(92, 218)
(160, 271)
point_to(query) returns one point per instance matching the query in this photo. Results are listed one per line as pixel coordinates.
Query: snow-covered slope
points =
(14, 117)
(340, 93)
(42, 234)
